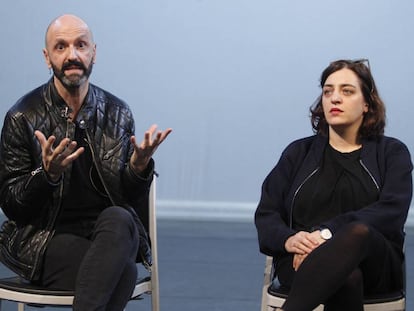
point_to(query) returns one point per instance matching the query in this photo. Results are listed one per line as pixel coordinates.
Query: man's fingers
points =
(44, 143)
(69, 148)
(63, 145)
(164, 134)
(40, 137)
(134, 141)
(152, 139)
(72, 156)
(152, 129)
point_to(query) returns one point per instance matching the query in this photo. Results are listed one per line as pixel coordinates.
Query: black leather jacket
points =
(26, 195)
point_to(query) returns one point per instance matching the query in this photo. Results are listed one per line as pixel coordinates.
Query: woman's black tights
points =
(356, 260)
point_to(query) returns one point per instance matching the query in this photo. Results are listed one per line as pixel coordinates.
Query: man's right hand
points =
(56, 160)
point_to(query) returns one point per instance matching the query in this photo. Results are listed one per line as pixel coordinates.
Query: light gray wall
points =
(233, 78)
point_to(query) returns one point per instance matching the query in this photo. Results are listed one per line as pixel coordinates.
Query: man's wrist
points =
(144, 172)
(137, 169)
(40, 170)
(53, 179)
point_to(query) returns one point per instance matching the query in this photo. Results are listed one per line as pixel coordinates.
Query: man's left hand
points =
(144, 151)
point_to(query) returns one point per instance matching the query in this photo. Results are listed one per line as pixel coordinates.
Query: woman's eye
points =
(327, 92)
(347, 92)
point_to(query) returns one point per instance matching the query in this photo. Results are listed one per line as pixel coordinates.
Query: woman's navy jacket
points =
(386, 159)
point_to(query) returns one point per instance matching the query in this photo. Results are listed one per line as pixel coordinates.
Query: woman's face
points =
(343, 103)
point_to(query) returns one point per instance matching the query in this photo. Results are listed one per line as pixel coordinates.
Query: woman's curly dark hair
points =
(373, 123)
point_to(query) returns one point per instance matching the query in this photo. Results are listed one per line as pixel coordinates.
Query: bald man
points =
(71, 166)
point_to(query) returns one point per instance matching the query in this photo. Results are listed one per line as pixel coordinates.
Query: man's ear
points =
(47, 59)
(94, 54)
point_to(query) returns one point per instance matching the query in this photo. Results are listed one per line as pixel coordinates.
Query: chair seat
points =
(277, 290)
(18, 289)
(18, 284)
(387, 297)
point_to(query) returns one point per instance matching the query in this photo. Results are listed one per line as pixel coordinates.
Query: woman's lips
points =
(335, 111)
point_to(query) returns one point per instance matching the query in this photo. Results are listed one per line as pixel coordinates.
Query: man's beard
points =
(73, 81)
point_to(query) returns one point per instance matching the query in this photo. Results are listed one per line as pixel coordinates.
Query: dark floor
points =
(215, 266)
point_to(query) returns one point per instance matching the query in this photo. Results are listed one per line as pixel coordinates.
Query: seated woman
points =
(333, 209)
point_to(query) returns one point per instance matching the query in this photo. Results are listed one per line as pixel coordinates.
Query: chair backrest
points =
(22, 292)
(274, 295)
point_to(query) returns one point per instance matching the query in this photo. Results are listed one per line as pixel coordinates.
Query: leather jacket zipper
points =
(95, 162)
(50, 225)
(50, 228)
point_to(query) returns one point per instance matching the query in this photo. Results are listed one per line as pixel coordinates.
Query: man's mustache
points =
(74, 63)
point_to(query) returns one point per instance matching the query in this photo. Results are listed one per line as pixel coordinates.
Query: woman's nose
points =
(336, 98)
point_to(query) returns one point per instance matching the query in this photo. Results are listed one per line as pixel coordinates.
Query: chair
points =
(274, 295)
(24, 293)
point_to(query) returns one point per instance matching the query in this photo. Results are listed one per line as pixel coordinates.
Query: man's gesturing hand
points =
(144, 151)
(56, 160)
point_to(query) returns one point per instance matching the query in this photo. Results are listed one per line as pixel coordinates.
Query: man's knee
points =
(117, 220)
(116, 212)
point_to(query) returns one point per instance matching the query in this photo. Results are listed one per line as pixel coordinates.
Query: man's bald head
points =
(69, 51)
(66, 22)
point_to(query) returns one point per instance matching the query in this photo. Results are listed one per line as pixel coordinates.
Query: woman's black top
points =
(340, 185)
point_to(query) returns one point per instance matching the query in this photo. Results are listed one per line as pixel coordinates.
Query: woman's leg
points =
(327, 269)
(349, 296)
